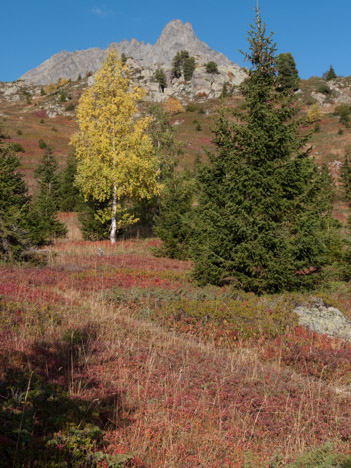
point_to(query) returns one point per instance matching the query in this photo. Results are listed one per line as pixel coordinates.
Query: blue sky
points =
(316, 32)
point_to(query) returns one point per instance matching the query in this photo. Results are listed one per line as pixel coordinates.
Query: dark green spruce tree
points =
(46, 204)
(172, 208)
(263, 221)
(15, 244)
(70, 198)
(91, 227)
(288, 76)
(172, 224)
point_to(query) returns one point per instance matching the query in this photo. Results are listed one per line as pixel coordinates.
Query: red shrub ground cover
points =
(312, 355)
(171, 399)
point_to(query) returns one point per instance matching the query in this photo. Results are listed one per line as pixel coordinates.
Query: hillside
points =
(117, 356)
(28, 115)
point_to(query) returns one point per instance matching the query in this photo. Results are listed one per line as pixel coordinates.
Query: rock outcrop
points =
(321, 318)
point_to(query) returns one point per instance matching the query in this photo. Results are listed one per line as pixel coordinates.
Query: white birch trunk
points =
(113, 231)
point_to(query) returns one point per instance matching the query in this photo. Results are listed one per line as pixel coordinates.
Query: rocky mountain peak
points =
(176, 32)
(175, 36)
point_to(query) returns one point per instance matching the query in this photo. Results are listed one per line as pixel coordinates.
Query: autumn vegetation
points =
(181, 348)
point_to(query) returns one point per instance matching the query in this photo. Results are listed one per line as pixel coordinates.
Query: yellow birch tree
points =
(115, 156)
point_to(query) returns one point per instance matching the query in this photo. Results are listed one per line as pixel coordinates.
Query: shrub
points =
(321, 457)
(229, 320)
(198, 128)
(314, 114)
(344, 112)
(19, 132)
(42, 144)
(224, 92)
(63, 97)
(18, 148)
(324, 89)
(173, 106)
(211, 67)
(50, 88)
(70, 107)
(191, 107)
(124, 58)
(62, 81)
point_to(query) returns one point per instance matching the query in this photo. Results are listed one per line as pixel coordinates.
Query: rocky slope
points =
(175, 37)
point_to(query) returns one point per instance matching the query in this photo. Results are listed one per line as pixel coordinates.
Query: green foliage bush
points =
(63, 96)
(325, 456)
(246, 318)
(191, 107)
(344, 112)
(324, 89)
(18, 148)
(124, 58)
(211, 67)
(224, 92)
(70, 107)
(42, 144)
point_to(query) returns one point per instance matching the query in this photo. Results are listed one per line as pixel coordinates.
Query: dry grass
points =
(176, 401)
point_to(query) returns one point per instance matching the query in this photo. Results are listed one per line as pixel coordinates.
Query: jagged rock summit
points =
(175, 36)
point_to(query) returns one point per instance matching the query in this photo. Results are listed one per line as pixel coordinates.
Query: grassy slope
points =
(125, 336)
(175, 392)
(327, 144)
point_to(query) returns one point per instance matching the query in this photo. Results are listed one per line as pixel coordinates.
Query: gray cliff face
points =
(175, 37)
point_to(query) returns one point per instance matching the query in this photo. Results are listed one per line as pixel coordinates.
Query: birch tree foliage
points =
(115, 156)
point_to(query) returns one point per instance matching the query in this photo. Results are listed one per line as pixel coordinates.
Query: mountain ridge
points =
(175, 36)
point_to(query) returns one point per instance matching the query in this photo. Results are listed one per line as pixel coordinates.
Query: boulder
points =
(322, 318)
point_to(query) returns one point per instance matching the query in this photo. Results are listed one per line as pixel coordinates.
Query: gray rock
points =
(175, 37)
(318, 97)
(321, 318)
